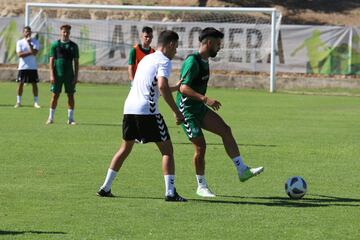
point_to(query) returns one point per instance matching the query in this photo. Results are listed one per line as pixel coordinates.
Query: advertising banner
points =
(106, 43)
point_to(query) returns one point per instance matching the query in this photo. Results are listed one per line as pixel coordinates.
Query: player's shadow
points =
(12, 106)
(310, 200)
(277, 202)
(271, 202)
(7, 105)
(222, 144)
(9, 232)
(333, 199)
(112, 125)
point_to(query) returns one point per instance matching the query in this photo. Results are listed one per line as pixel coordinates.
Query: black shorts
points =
(28, 76)
(145, 128)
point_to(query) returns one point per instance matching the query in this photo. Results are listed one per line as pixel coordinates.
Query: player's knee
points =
(55, 98)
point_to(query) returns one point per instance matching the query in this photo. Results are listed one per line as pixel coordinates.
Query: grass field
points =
(49, 174)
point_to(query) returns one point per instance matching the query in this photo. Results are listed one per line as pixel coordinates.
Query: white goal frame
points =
(272, 11)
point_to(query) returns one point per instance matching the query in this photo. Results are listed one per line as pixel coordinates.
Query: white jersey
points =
(28, 62)
(144, 93)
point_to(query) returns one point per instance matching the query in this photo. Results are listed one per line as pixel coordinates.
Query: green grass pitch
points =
(49, 174)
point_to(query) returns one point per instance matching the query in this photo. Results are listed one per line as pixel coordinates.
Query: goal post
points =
(107, 32)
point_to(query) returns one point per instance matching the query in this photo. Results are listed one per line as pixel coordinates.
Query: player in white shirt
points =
(26, 49)
(142, 120)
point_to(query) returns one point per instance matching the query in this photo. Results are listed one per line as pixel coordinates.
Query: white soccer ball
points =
(295, 187)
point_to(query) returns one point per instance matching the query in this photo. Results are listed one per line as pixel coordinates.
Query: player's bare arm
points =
(131, 72)
(189, 92)
(51, 69)
(24, 54)
(176, 87)
(32, 51)
(76, 70)
(168, 97)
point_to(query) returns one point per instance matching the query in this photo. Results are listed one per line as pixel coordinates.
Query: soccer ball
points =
(295, 187)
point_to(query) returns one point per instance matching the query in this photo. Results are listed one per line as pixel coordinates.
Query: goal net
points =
(105, 33)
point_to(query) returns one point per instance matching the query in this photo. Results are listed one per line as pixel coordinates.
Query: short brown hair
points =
(65, 26)
(166, 37)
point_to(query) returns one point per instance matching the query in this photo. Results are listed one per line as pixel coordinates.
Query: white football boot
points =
(205, 192)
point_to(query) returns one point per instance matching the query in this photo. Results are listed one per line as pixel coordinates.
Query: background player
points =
(138, 51)
(27, 49)
(64, 70)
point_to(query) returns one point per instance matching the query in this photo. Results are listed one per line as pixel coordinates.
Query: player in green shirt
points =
(194, 104)
(64, 69)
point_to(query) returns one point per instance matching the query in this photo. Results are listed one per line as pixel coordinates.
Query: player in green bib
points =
(194, 104)
(64, 68)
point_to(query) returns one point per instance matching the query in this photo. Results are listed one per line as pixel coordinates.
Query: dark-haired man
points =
(142, 121)
(27, 49)
(138, 51)
(194, 104)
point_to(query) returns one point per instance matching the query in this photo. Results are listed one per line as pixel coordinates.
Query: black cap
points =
(210, 32)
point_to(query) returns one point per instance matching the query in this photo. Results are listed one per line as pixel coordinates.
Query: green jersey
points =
(195, 74)
(64, 53)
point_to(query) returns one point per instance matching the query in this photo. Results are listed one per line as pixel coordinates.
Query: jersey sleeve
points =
(189, 71)
(164, 69)
(131, 60)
